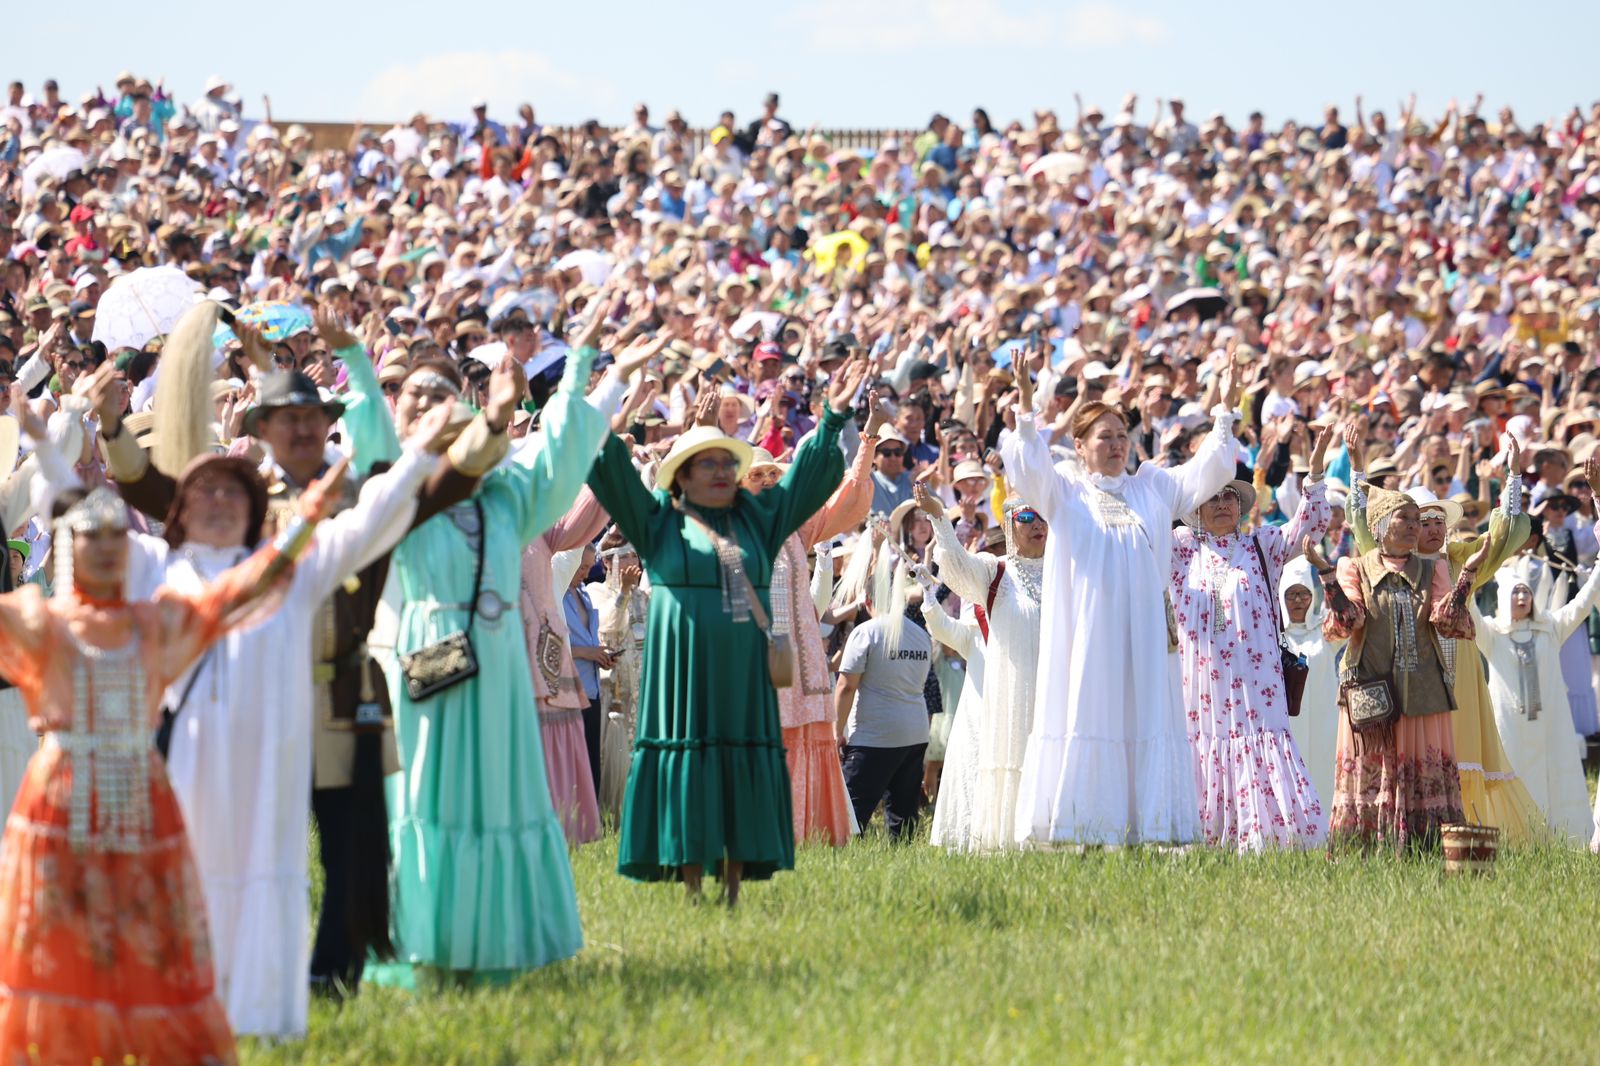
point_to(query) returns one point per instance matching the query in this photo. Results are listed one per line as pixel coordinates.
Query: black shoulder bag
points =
(1295, 667)
(447, 662)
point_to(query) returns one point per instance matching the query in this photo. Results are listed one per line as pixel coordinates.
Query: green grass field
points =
(896, 955)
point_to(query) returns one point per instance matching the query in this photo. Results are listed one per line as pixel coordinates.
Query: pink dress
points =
(821, 805)
(1254, 788)
(561, 705)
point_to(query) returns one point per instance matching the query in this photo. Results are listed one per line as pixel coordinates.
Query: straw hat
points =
(761, 458)
(702, 439)
(1427, 501)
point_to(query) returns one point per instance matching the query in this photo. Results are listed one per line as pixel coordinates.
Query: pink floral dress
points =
(1254, 788)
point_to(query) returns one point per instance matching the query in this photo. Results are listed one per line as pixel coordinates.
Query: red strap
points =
(982, 613)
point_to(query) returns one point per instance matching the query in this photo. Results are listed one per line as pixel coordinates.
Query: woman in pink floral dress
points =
(1254, 789)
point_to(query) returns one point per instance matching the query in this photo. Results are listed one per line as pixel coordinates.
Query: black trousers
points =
(592, 717)
(333, 962)
(869, 773)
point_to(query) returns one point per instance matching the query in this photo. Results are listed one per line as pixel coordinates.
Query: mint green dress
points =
(708, 779)
(481, 878)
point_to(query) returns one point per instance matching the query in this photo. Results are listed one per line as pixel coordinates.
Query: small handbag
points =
(780, 651)
(1371, 705)
(1295, 667)
(447, 662)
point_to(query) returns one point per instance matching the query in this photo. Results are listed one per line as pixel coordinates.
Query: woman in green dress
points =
(708, 785)
(482, 884)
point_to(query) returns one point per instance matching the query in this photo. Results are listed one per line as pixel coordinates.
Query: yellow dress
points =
(1491, 793)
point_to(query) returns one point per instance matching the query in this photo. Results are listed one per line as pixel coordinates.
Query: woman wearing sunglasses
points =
(1005, 594)
(1108, 761)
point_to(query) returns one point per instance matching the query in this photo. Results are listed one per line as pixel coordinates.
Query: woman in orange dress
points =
(104, 952)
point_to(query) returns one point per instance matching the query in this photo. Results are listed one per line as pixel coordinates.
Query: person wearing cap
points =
(1522, 644)
(1007, 594)
(1490, 784)
(709, 788)
(1395, 781)
(1109, 759)
(805, 710)
(891, 480)
(1255, 790)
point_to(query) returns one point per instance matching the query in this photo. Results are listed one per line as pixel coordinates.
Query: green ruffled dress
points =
(708, 779)
(482, 881)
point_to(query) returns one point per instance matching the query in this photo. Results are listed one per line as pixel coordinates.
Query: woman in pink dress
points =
(568, 762)
(1254, 789)
(821, 804)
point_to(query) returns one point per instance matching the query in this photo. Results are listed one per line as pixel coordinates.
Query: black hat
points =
(287, 388)
(840, 347)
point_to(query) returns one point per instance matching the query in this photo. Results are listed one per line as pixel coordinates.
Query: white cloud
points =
(906, 25)
(445, 86)
(1104, 26)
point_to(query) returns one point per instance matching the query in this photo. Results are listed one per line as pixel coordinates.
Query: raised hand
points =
(1233, 381)
(1353, 435)
(506, 387)
(331, 329)
(1314, 557)
(843, 393)
(104, 393)
(432, 429)
(1319, 453)
(253, 346)
(706, 404)
(26, 416)
(877, 416)
(926, 500)
(1024, 390)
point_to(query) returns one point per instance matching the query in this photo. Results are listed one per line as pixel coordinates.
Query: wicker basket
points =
(1469, 849)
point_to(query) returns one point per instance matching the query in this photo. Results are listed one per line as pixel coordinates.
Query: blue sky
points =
(836, 62)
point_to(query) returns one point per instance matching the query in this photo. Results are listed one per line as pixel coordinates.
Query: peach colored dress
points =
(561, 705)
(821, 804)
(107, 956)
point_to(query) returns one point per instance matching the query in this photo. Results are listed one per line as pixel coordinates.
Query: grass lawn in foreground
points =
(899, 955)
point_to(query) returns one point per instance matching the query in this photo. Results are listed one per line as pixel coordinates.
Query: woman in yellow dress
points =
(1491, 793)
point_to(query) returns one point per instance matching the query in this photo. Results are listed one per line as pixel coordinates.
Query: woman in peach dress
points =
(106, 953)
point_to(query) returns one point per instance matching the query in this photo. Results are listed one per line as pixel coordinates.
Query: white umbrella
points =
(766, 321)
(58, 162)
(1059, 166)
(489, 354)
(145, 303)
(595, 266)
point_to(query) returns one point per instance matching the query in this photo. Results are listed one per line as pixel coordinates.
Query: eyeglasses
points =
(1026, 518)
(891, 453)
(391, 388)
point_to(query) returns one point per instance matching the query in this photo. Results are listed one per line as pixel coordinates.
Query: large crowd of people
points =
(1095, 478)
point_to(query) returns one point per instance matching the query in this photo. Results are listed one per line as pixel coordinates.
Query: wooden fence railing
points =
(337, 135)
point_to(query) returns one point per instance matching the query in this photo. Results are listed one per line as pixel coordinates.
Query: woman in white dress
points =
(1522, 644)
(1108, 761)
(1316, 728)
(958, 786)
(1008, 592)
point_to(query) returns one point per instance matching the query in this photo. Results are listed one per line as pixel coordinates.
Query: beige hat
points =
(970, 468)
(1427, 501)
(702, 439)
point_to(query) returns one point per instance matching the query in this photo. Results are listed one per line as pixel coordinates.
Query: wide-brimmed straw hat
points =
(703, 439)
(1427, 501)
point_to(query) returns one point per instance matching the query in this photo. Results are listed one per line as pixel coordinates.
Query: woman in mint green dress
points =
(481, 883)
(709, 786)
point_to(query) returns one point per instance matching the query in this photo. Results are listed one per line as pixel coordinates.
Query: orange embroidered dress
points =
(104, 951)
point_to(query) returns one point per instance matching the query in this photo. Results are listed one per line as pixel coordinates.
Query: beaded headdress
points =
(101, 509)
